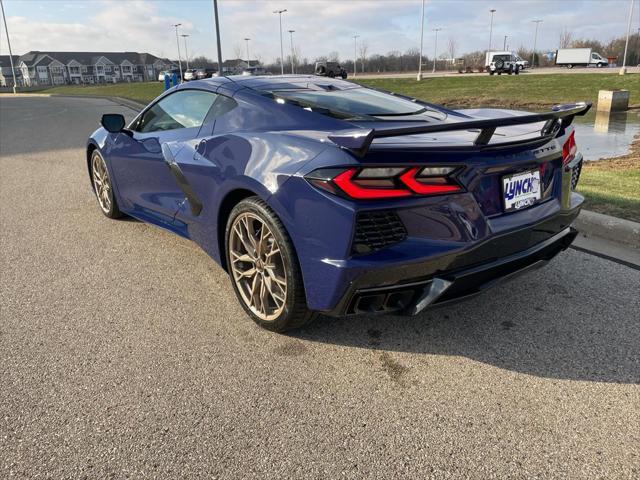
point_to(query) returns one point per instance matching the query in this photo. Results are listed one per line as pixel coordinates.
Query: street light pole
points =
(215, 16)
(248, 57)
(421, 39)
(493, 10)
(186, 52)
(435, 49)
(280, 12)
(6, 30)
(623, 70)
(291, 32)
(535, 43)
(504, 45)
(355, 55)
(178, 43)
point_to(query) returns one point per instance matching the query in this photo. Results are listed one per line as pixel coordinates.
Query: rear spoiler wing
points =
(358, 141)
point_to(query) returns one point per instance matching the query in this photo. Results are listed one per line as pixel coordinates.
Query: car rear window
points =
(353, 101)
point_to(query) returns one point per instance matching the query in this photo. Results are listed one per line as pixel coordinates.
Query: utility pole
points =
(6, 30)
(280, 12)
(421, 39)
(435, 49)
(623, 70)
(493, 10)
(248, 57)
(178, 43)
(186, 52)
(355, 55)
(535, 43)
(504, 44)
(215, 16)
(291, 32)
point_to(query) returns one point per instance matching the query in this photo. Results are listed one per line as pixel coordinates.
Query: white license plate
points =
(521, 190)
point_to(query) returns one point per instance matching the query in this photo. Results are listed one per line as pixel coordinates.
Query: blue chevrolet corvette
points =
(318, 195)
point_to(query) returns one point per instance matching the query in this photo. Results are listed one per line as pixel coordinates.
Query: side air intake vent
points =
(376, 230)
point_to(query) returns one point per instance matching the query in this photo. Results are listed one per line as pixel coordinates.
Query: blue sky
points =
(321, 26)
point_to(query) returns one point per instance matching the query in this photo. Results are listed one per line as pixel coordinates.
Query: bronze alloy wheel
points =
(257, 266)
(101, 183)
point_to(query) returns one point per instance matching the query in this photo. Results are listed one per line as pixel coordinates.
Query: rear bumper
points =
(412, 288)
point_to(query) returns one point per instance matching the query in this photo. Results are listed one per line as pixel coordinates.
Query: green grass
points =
(612, 187)
(141, 92)
(534, 91)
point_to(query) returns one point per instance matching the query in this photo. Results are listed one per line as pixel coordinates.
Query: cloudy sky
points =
(321, 26)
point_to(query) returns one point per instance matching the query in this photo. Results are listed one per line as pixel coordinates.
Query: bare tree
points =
(334, 57)
(452, 46)
(237, 50)
(362, 50)
(566, 38)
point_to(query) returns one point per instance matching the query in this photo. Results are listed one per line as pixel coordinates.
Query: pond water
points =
(605, 135)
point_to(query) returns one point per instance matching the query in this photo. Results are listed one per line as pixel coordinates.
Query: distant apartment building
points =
(60, 68)
(6, 77)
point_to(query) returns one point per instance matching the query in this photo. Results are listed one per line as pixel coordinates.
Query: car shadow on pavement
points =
(561, 323)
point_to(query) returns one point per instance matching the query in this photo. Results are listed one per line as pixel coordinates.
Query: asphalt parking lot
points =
(124, 353)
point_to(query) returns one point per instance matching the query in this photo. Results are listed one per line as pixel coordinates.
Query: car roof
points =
(273, 82)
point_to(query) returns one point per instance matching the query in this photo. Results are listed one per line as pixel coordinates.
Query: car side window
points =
(183, 109)
(221, 106)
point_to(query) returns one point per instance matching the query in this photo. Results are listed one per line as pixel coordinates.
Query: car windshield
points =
(352, 102)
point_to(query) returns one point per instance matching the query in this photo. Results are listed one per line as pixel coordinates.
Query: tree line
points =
(407, 61)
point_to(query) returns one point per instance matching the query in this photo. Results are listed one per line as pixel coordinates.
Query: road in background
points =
(534, 71)
(123, 352)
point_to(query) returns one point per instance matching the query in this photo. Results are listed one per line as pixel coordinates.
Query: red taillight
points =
(428, 186)
(345, 182)
(569, 149)
(380, 183)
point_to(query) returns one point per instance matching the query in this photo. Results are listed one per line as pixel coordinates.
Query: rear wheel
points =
(103, 187)
(331, 74)
(343, 75)
(569, 66)
(264, 269)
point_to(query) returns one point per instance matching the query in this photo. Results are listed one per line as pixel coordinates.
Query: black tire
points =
(343, 75)
(599, 65)
(295, 313)
(569, 65)
(491, 73)
(499, 73)
(113, 211)
(517, 72)
(331, 74)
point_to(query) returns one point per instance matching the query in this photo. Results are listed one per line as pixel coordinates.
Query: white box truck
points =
(579, 57)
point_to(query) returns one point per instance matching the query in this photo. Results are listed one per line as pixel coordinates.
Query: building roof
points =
(34, 58)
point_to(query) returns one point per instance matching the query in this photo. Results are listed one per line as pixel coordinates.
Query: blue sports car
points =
(318, 195)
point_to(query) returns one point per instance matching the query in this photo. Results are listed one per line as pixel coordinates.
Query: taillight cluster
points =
(373, 183)
(569, 149)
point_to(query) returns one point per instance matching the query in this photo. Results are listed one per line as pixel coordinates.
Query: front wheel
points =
(599, 65)
(103, 187)
(344, 75)
(263, 267)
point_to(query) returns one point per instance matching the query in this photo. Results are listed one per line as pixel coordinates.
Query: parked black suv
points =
(330, 69)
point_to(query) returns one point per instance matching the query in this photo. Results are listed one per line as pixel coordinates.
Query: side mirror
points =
(113, 122)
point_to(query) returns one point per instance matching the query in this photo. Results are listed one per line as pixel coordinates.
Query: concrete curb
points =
(609, 228)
